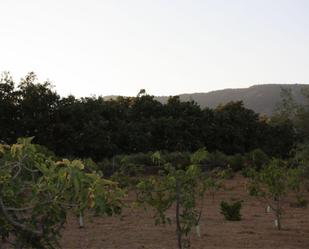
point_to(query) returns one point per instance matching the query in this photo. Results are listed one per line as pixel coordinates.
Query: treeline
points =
(95, 128)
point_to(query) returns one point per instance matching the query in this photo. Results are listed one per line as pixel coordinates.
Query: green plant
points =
(179, 160)
(296, 180)
(270, 185)
(36, 193)
(213, 184)
(300, 202)
(226, 173)
(218, 159)
(128, 171)
(256, 159)
(301, 160)
(236, 162)
(183, 187)
(200, 156)
(156, 158)
(248, 172)
(231, 211)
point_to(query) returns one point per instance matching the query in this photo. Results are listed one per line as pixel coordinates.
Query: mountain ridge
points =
(262, 98)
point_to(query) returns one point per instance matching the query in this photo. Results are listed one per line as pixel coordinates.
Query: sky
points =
(168, 47)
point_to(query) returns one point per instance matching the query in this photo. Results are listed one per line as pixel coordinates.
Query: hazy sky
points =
(168, 47)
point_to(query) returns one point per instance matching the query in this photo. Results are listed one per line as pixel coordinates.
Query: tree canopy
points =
(97, 128)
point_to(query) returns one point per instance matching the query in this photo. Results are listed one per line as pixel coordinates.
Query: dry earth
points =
(135, 229)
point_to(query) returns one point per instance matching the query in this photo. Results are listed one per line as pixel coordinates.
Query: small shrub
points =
(248, 172)
(296, 182)
(301, 202)
(226, 173)
(144, 159)
(218, 159)
(236, 162)
(201, 156)
(90, 165)
(231, 211)
(256, 159)
(213, 184)
(178, 159)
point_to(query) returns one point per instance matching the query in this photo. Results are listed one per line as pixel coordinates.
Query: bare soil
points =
(135, 228)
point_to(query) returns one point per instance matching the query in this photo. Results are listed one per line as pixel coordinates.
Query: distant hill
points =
(260, 98)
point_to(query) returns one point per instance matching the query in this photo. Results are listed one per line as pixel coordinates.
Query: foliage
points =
(92, 127)
(213, 184)
(256, 159)
(236, 162)
(128, 175)
(200, 156)
(217, 159)
(297, 181)
(271, 185)
(291, 113)
(287, 109)
(231, 211)
(178, 159)
(248, 172)
(36, 193)
(157, 158)
(226, 173)
(300, 175)
(90, 165)
(301, 156)
(301, 202)
(182, 187)
(234, 124)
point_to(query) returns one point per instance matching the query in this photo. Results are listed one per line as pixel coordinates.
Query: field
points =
(135, 229)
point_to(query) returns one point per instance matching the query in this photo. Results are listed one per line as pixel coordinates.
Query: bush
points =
(90, 165)
(143, 159)
(301, 202)
(231, 211)
(248, 172)
(218, 159)
(178, 159)
(256, 159)
(225, 173)
(236, 162)
(201, 156)
(126, 163)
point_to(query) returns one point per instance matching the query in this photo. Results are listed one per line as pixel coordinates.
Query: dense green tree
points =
(8, 109)
(236, 128)
(37, 105)
(98, 128)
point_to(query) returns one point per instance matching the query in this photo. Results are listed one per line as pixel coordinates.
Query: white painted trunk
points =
(268, 209)
(198, 231)
(276, 223)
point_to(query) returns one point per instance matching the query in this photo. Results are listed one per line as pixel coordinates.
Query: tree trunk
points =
(178, 229)
(278, 214)
(81, 220)
(278, 222)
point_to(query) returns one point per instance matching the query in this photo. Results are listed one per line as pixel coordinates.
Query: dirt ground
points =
(135, 229)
